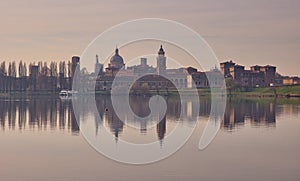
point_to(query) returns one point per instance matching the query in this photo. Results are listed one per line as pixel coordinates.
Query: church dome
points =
(117, 59)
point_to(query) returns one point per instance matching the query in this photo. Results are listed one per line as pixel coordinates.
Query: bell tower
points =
(161, 62)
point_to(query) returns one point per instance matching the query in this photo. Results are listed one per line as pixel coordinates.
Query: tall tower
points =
(75, 65)
(98, 66)
(161, 62)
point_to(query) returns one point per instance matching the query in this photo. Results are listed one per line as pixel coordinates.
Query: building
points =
(257, 76)
(225, 67)
(197, 79)
(143, 68)
(269, 73)
(161, 78)
(290, 80)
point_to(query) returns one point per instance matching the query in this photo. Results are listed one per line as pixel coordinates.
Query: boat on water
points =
(67, 93)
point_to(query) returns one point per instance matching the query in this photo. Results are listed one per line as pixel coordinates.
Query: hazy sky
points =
(249, 32)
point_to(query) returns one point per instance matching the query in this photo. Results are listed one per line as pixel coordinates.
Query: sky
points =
(248, 32)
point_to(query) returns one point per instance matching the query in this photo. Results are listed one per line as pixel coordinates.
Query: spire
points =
(97, 59)
(161, 51)
(117, 50)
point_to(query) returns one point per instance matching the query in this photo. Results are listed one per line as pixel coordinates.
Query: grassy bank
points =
(282, 91)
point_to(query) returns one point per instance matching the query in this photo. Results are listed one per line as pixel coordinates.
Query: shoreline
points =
(280, 92)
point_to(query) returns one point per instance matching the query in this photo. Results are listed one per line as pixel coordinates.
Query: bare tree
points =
(3, 78)
(21, 69)
(44, 70)
(13, 69)
(69, 68)
(3, 69)
(40, 65)
(24, 69)
(62, 68)
(9, 69)
(53, 69)
(11, 75)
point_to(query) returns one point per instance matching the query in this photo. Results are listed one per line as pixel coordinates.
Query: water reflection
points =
(37, 113)
(257, 112)
(53, 113)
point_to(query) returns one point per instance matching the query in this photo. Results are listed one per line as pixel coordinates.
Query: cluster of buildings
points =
(55, 77)
(152, 78)
(256, 76)
(162, 78)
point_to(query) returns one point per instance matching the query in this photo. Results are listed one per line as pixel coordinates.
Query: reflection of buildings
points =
(161, 128)
(259, 114)
(45, 114)
(139, 106)
(238, 112)
(112, 120)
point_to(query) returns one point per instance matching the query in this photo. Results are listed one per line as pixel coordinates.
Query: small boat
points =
(63, 93)
(67, 93)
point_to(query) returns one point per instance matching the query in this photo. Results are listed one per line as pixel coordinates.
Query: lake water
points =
(40, 139)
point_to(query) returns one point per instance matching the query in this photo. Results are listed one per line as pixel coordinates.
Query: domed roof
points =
(117, 58)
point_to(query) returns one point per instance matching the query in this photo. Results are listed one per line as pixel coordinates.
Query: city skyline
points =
(58, 77)
(248, 32)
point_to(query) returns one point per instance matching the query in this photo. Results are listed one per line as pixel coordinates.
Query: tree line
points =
(39, 76)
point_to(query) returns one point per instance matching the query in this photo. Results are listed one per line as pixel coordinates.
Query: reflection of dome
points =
(117, 59)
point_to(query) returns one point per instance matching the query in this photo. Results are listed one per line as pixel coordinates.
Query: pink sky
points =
(249, 32)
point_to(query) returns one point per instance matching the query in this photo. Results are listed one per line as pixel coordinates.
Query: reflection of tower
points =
(98, 66)
(161, 62)
(161, 128)
(72, 123)
(113, 121)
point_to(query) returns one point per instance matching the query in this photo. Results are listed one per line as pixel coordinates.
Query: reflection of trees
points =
(12, 115)
(43, 113)
(22, 114)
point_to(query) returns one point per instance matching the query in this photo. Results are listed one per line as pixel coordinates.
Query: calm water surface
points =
(259, 140)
